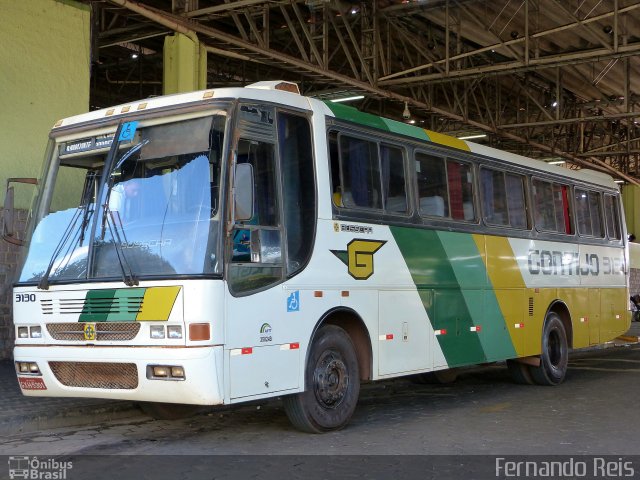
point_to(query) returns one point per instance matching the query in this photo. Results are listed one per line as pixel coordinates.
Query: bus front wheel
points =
(332, 384)
(554, 357)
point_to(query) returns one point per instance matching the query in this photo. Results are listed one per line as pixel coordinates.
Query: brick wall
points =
(10, 256)
(634, 281)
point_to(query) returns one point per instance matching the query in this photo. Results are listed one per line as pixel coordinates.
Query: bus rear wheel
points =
(332, 384)
(520, 372)
(554, 357)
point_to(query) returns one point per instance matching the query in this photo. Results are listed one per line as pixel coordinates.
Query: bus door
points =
(273, 160)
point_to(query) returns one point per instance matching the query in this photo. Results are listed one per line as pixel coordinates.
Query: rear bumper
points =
(87, 370)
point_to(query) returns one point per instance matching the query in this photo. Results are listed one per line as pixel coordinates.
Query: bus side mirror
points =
(9, 214)
(243, 188)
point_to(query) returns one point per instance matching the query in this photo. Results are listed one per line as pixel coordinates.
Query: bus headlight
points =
(35, 332)
(157, 331)
(160, 371)
(23, 332)
(165, 372)
(27, 368)
(174, 331)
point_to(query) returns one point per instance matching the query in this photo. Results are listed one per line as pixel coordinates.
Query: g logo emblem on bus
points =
(358, 257)
(89, 331)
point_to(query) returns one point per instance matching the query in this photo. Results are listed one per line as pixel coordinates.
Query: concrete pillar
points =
(631, 202)
(185, 64)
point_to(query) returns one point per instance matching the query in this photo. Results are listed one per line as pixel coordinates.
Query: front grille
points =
(118, 376)
(105, 331)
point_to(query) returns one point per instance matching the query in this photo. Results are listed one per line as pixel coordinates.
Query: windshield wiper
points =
(44, 281)
(87, 212)
(85, 203)
(128, 277)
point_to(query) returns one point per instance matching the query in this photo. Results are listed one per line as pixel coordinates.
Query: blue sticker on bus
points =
(293, 302)
(128, 131)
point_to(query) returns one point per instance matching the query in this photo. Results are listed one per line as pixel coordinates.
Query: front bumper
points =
(120, 373)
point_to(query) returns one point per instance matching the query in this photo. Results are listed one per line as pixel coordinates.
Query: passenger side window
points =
(503, 198)
(612, 214)
(589, 213)
(445, 187)
(460, 181)
(393, 179)
(516, 202)
(298, 183)
(431, 176)
(360, 173)
(366, 174)
(551, 207)
(494, 196)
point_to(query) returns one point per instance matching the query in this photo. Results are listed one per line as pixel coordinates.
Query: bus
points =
(236, 244)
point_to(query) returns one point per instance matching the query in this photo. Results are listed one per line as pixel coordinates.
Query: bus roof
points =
(268, 91)
(260, 91)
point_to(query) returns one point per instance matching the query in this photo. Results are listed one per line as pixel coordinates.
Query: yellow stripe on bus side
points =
(447, 140)
(158, 303)
(508, 285)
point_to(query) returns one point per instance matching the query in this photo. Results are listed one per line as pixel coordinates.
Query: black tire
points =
(520, 372)
(332, 384)
(440, 377)
(554, 356)
(168, 411)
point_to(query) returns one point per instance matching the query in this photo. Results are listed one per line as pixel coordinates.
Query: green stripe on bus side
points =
(128, 306)
(350, 114)
(112, 305)
(442, 296)
(481, 301)
(354, 115)
(404, 129)
(96, 305)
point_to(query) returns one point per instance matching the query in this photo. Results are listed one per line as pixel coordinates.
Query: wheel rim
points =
(330, 379)
(555, 349)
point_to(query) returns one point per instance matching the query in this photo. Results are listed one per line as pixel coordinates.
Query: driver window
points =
(256, 244)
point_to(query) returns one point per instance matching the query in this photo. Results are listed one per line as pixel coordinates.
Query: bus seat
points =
(468, 210)
(432, 206)
(397, 204)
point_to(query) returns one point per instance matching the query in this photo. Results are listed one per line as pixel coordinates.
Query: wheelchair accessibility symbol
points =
(293, 302)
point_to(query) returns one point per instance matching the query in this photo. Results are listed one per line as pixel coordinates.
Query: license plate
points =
(30, 383)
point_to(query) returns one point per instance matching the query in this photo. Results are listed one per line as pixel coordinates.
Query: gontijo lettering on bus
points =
(554, 262)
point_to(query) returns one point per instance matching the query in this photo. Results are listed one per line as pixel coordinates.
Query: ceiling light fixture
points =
(347, 99)
(471, 137)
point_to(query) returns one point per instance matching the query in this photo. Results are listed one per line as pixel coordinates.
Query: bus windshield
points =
(157, 213)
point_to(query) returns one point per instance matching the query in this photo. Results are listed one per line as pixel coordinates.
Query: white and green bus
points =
(236, 244)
